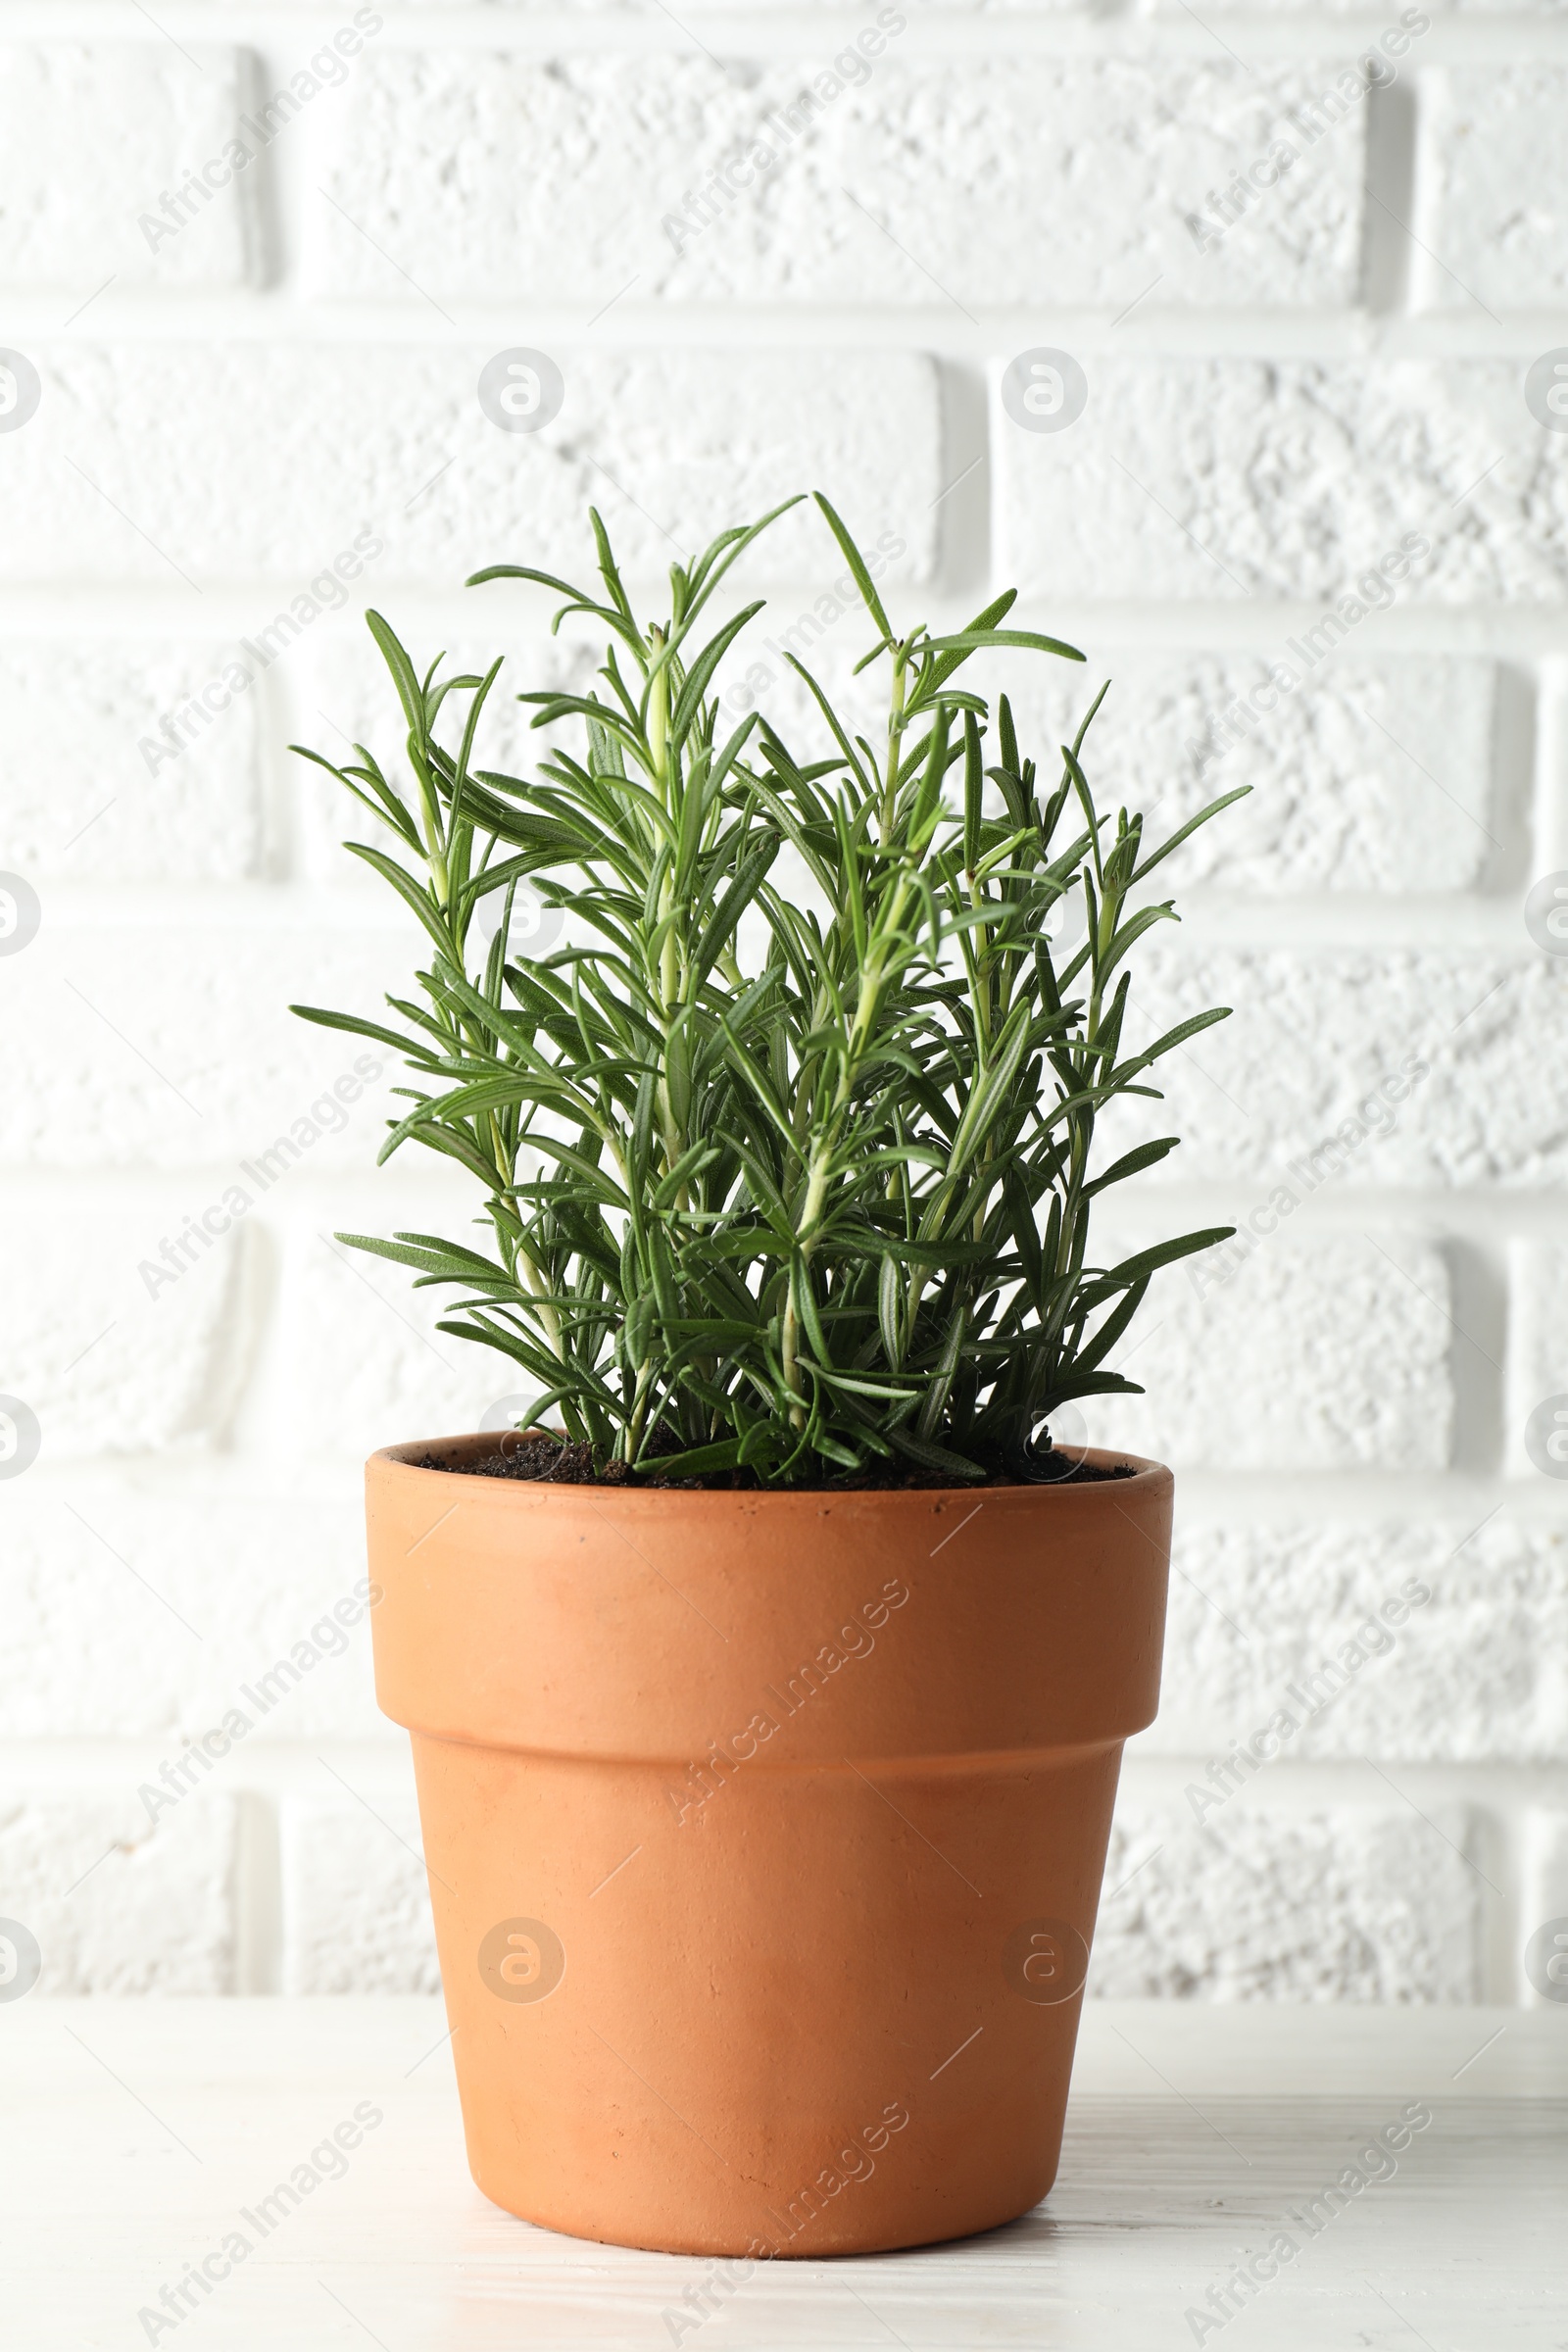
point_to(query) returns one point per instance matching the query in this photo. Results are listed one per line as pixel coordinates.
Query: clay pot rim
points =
(1147, 1476)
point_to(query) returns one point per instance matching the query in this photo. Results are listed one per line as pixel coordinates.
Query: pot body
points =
(765, 1835)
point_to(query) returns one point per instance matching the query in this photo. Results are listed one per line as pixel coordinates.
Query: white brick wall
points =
(1477, 1671)
(80, 801)
(1490, 134)
(357, 1913)
(1090, 161)
(1243, 478)
(1315, 1029)
(115, 1905)
(96, 136)
(1335, 384)
(1362, 1902)
(1368, 1383)
(354, 435)
(1345, 781)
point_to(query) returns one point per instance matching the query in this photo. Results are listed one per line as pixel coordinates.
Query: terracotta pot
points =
(766, 1834)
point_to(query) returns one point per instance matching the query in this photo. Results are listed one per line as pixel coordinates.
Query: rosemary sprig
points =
(780, 1177)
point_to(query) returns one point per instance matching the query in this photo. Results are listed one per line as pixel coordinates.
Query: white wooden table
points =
(135, 2136)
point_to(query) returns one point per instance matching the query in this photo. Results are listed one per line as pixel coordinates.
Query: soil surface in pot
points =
(539, 1455)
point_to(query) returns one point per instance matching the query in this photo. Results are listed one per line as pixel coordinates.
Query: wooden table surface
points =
(135, 2136)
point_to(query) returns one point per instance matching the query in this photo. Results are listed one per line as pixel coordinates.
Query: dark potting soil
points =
(557, 1462)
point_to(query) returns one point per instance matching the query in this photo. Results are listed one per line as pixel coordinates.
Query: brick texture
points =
(1311, 1038)
(106, 1363)
(1538, 1358)
(357, 1914)
(85, 806)
(118, 1905)
(1472, 1672)
(1321, 1353)
(204, 1606)
(1364, 1903)
(1348, 777)
(143, 1049)
(95, 137)
(390, 447)
(1226, 479)
(1490, 135)
(843, 179)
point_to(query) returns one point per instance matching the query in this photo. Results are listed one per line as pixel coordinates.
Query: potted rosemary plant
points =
(768, 1685)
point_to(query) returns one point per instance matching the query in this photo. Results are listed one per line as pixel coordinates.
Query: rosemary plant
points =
(785, 1167)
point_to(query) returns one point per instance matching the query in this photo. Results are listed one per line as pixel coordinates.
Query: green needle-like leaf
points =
(785, 1121)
